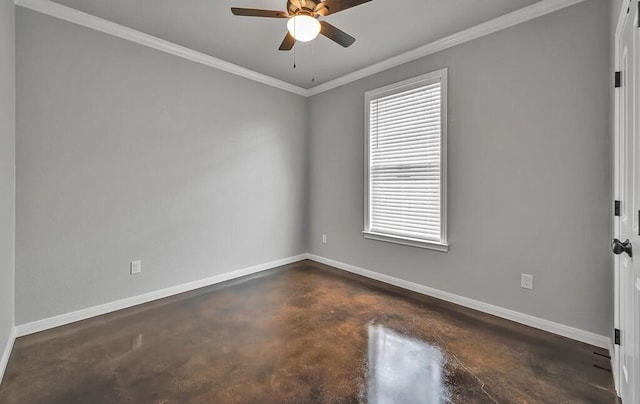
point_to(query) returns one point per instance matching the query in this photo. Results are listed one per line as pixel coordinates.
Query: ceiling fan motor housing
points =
(306, 7)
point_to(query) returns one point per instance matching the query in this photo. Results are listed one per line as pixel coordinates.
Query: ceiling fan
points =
(303, 24)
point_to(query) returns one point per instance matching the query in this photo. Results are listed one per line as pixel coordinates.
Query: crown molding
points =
(72, 15)
(99, 24)
(524, 14)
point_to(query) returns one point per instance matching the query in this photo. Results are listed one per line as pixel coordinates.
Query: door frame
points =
(615, 350)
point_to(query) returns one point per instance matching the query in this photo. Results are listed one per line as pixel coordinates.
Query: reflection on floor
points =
(403, 369)
(302, 333)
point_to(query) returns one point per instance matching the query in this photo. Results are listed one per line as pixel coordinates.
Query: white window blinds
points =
(405, 160)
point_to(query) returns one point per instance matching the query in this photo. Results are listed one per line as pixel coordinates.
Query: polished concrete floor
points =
(304, 333)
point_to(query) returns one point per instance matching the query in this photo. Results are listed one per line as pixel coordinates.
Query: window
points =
(405, 162)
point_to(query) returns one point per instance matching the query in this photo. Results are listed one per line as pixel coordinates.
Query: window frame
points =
(406, 85)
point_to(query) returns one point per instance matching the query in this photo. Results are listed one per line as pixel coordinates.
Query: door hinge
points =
(616, 336)
(618, 80)
(616, 208)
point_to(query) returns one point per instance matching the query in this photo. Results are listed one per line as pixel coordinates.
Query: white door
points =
(627, 238)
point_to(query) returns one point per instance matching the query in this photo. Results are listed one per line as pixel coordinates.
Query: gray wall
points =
(529, 171)
(7, 170)
(128, 153)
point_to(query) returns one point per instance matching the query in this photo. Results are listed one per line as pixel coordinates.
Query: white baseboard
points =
(535, 322)
(57, 321)
(4, 360)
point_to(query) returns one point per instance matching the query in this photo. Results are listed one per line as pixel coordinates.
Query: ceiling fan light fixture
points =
(303, 28)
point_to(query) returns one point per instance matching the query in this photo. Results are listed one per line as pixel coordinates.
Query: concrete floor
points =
(303, 333)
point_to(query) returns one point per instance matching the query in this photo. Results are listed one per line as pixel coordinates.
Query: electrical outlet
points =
(136, 267)
(526, 281)
(324, 239)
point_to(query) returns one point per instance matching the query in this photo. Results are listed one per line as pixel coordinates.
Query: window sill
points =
(430, 245)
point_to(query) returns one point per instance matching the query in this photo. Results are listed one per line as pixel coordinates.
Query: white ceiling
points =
(382, 28)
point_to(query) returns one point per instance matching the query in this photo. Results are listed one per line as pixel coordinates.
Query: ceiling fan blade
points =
(336, 35)
(335, 6)
(253, 12)
(287, 43)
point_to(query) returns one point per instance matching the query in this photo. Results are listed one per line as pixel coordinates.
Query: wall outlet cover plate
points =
(136, 267)
(526, 281)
